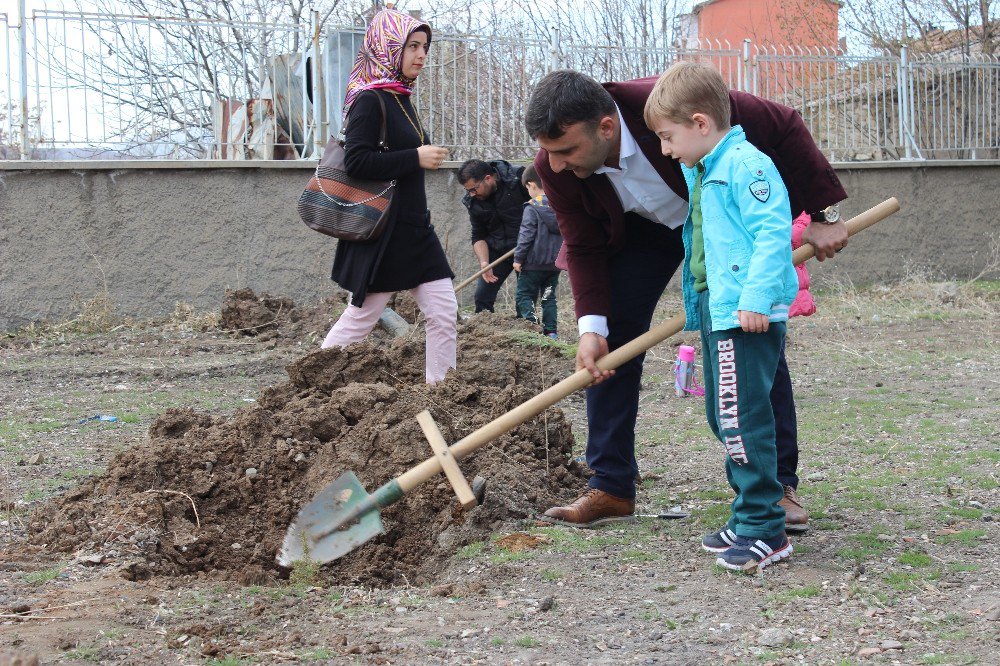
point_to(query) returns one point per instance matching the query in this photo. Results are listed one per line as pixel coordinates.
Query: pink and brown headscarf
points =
(380, 60)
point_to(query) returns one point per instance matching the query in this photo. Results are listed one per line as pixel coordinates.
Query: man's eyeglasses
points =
(474, 188)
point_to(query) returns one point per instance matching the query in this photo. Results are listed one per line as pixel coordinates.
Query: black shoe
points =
(719, 542)
(749, 554)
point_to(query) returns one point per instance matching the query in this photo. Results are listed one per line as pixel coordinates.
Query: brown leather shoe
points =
(796, 517)
(595, 507)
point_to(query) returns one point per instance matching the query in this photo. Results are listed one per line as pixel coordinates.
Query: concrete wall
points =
(154, 234)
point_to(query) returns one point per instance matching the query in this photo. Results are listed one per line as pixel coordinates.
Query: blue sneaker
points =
(719, 542)
(749, 553)
(552, 335)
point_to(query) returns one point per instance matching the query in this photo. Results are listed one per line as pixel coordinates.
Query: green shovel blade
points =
(318, 535)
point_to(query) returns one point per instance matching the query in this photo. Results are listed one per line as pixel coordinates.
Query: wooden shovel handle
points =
(465, 283)
(581, 378)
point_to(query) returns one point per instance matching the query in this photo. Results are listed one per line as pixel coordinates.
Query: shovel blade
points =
(312, 535)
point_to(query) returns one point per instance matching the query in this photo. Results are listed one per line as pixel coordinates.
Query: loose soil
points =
(206, 494)
(145, 540)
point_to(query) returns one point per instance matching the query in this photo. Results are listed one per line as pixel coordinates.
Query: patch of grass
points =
(43, 576)
(228, 661)
(968, 513)
(503, 556)
(916, 559)
(551, 575)
(961, 567)
(964, 537)
(318, 654)
(936, 658)
(909, 580)
(805, 592)
(650, 615)
(866, 546)
(640, 556)
(87, 653)
(669, 624)
(713, 515)
(434, 643)
(471, 551)
(527, 642)
(305, 574)
(532, 340)
(496, 641)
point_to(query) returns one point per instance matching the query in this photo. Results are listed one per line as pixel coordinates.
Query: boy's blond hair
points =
(685, 89)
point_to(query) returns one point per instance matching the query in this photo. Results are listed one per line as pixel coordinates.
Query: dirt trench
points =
(216, 494)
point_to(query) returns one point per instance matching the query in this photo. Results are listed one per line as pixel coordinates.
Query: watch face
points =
(832, 214)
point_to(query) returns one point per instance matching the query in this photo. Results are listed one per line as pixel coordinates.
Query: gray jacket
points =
(539, 240)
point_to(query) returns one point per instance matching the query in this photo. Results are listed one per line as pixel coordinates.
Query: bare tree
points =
(159, 66)
(887, 25)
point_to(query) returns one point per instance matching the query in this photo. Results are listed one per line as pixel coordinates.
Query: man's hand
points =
(517, 267)
(488, 275)
(826, 239)
(753, 322)
(589, 350)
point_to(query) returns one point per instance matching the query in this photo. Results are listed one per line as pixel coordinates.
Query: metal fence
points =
(99, 86)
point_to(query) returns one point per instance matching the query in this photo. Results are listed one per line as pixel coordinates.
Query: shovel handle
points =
(581, 378)
(465, 283)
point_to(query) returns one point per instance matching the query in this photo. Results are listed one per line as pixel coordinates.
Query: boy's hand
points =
(753, 322)
(517, 267)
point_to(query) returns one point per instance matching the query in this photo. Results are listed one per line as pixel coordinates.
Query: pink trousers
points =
(440, 307)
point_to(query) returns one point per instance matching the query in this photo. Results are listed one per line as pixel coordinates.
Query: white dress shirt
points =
(642, 191)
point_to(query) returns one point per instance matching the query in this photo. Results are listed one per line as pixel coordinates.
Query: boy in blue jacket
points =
(738, 282)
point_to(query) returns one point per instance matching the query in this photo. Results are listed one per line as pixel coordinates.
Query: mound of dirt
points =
(246, 313)
(206, 494)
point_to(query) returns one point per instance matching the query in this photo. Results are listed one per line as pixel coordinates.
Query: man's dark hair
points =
(530, 176)
(563, 98)
(473, 170)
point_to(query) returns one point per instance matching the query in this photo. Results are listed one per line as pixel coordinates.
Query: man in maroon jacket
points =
(621, 205)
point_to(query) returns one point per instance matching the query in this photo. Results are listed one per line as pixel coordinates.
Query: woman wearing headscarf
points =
(409, 255)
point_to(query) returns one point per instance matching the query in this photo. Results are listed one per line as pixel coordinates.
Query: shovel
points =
(343, 515)
(472, 278)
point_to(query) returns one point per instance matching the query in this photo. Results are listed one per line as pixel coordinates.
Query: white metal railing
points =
(81, 85)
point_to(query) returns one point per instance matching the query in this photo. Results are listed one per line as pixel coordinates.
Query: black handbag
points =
(347, 208)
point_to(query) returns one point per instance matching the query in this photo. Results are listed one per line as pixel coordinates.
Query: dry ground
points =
(898, 404)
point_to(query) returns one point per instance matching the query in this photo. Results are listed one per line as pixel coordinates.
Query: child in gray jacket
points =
(538, 245)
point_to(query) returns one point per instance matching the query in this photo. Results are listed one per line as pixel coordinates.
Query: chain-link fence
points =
(92, 86)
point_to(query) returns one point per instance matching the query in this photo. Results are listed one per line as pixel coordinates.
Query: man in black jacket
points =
(495, 199)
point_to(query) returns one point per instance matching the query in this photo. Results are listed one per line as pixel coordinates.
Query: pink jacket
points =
(803, 305)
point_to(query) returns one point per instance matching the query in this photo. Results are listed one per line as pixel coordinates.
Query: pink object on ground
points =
(436, 300)
(686, 353)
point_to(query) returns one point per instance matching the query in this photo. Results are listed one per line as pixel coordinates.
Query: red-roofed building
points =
(812, 24)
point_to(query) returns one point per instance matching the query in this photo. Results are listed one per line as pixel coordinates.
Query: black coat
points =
(409, 253)
(497, 220)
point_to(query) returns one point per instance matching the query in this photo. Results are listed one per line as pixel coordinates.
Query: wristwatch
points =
(829, 215)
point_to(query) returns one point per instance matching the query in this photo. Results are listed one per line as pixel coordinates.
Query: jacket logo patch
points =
(761, 190)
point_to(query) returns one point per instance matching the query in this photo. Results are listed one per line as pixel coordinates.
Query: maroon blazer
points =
(590, 214)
